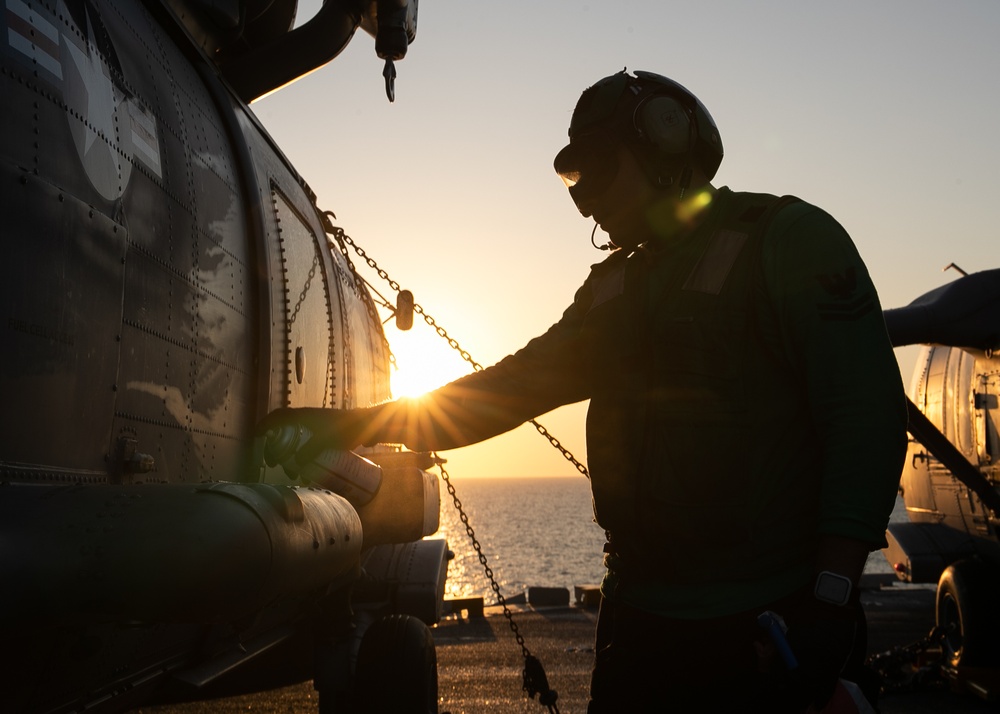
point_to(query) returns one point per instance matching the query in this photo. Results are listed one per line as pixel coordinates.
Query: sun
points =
(424, 362)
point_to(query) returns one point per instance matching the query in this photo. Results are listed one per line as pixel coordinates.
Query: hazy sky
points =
(884, 113)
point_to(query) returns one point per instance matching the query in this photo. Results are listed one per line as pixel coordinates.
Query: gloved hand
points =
(339, 429)
(821, 637)
(318, 420)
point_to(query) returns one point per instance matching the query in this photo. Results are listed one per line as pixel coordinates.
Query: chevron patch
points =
(846, 305)
(846, 311)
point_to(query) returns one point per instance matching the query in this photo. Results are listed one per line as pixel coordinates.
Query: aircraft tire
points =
(965, 593)
(397, 668)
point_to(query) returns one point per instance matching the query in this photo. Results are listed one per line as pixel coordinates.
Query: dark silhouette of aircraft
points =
(949, 481)
(167, 280)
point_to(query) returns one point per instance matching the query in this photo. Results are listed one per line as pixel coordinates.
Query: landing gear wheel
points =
(397, 668)
(966, 593)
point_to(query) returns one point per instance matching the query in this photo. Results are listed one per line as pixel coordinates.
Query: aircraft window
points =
(309, 349)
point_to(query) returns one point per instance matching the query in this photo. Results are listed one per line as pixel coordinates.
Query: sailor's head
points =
(664, 128)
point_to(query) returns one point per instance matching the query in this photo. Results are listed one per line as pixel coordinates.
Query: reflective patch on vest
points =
(609, 286)
(715, 264)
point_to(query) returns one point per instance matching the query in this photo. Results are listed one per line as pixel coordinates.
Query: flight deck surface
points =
(479, 661)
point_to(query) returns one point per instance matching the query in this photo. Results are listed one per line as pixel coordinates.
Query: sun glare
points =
(424, 362)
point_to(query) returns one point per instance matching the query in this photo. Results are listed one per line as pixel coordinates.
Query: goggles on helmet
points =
(588, 165)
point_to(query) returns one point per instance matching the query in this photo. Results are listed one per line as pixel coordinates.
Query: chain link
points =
(900, 667)
(548, 698)
(341, 237)
(305, 289)
(567, 454)
(482, 559)
(345, 240)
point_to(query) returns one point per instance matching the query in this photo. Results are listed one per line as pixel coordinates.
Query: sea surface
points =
(533, 531)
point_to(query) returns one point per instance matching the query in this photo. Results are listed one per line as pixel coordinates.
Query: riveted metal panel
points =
(188, 339)
(366, 362)
(309, 350)
(18, 118)
(60, 292)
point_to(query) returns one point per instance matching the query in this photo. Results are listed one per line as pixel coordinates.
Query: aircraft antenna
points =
(389, 72)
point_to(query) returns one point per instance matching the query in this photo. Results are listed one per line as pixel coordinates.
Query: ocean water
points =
(533, 532)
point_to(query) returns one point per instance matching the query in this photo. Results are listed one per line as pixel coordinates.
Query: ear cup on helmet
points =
(665, 122)
(643, 111)
(707, 144)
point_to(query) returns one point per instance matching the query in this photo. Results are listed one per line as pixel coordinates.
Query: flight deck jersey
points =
(721, 488)
(761, 334)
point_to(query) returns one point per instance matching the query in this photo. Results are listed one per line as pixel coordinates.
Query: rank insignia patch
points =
(847, 304)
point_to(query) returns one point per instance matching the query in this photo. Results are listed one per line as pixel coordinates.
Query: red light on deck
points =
(900, 568)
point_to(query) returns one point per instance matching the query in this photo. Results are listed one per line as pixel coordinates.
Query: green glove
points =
(312, 430)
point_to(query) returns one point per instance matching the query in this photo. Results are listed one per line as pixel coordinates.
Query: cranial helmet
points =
(666, 128)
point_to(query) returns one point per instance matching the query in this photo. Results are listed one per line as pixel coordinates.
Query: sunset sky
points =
(883, 113)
